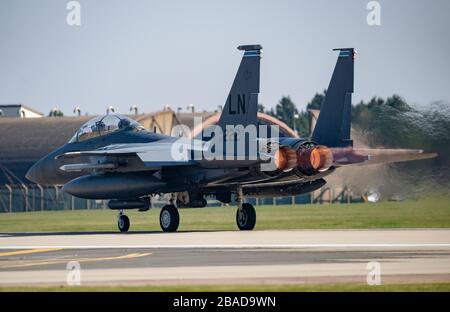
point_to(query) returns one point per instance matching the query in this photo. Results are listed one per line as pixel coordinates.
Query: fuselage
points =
(206, 177)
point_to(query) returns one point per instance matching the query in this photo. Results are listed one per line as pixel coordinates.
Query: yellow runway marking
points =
(60, 261)
(27, 251)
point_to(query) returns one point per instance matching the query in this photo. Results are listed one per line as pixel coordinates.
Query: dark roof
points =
(25, 140)
(188, 118)
(31, 138)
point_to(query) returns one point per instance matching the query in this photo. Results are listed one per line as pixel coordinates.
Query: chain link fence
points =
(25, 198)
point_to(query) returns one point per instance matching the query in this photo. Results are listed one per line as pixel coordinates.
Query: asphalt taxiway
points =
(226, 257)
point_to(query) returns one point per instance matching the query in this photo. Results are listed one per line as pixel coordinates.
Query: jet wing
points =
(370, 156)
(153, 155)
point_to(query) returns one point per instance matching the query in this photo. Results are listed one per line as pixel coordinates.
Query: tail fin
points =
(333, 126)
(241, 105)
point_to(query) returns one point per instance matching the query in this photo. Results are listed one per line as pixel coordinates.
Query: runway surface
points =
(226, 257)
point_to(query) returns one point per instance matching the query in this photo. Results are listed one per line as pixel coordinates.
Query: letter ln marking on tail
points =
(239, 107)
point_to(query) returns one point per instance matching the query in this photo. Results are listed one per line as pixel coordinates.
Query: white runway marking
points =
(299, 239)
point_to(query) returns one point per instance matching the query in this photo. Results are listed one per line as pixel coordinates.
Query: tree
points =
(285, 111)
(261, 108)
(317, 100)
(303, 124)
(391, 122)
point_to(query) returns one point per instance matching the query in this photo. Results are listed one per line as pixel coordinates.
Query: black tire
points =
(169, 219)
(246, 217)
(123, 223)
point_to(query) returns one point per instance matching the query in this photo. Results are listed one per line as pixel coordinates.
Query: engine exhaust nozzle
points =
(315, 159)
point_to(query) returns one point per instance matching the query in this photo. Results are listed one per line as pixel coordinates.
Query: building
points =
(18, 111)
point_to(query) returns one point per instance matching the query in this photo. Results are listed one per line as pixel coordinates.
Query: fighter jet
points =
(112, 157)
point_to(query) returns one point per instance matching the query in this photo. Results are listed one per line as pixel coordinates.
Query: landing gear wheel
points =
(123, 223)
(246, 217)
(169, 219)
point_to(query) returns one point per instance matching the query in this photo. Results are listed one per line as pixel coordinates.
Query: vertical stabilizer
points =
(333, 125)
(241, 105)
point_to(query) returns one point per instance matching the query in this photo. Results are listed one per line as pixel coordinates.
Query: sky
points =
(156, 53)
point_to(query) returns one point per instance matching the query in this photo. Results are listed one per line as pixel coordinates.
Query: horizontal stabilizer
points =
(368, 156)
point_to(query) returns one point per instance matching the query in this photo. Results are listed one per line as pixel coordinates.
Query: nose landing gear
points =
(123, 222)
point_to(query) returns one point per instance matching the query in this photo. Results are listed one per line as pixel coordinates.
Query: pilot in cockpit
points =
(104, 125)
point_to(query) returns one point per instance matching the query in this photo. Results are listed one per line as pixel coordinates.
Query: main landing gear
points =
(245, 214)
(169, 219)
(246, 217)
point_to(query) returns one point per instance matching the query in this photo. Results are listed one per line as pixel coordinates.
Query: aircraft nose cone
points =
(41, 172)
(46, 170)
(34, 173)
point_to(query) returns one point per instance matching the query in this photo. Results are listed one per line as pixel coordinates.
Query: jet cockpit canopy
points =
(104, 125)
